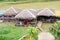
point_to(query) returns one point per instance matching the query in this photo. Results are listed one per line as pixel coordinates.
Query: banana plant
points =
(33, 32)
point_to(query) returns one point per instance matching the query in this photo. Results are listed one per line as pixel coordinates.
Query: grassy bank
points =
(11, 32)
(8, 31)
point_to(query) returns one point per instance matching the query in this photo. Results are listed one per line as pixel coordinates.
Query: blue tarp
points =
(1, 12)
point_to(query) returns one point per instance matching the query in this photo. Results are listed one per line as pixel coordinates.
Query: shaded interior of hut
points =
(26, 22)
(9, 18)
(49, 19)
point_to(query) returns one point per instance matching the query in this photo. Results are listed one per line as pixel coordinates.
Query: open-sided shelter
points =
(26, 15)
(10, 13)
(46, 15)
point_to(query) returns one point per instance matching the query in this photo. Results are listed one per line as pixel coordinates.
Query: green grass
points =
(8, 32)
(11, 32)
(58, 38)
(46, 26)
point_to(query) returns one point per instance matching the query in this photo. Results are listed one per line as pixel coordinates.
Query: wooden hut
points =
(26, 15)
(11, 13)
(46, 15)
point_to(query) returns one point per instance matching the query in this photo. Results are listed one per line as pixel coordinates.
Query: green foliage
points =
(56, 29)
(15, 33)
(58, 38)
(4, 31)
(57, 25)
(33, 32)
(11, 33)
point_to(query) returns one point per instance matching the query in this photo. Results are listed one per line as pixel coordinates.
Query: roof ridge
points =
(44, 10)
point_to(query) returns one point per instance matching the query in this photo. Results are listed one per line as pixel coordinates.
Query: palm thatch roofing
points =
(46, 12)
(45, 36)
(18, 10)
(25, 14)
(33, 11)
(12, 11)
(52, 9)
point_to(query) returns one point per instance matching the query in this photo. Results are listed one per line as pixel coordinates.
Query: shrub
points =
(33, 32)
(55, 30)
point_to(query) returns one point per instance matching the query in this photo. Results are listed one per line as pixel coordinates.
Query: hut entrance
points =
(26, 22)
(49, 19)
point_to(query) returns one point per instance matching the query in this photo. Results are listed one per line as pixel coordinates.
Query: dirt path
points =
(39, 25)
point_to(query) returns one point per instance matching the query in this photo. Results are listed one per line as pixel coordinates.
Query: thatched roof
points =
(33, 11)
(18, 10)
(46, 36)
(52, 9)
(11, 11)
(25, 14)
(46, 12)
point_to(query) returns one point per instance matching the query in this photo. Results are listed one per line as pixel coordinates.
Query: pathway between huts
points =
(39, 25)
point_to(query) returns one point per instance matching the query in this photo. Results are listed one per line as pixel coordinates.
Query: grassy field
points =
(9, 32)
(12, 32)
(55, 5)
(37, 5)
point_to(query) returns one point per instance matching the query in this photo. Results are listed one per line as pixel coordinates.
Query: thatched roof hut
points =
(25, 14)
(46, 36)
(46, 12)
(12, 11)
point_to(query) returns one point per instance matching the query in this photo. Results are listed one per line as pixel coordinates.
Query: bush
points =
(33, 32)
(55, 30)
